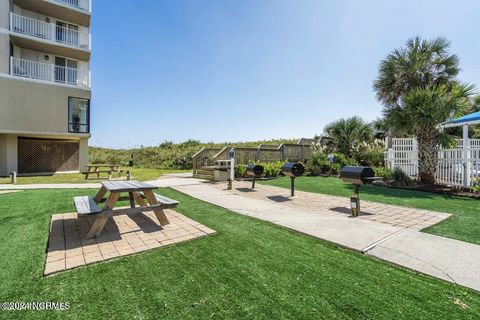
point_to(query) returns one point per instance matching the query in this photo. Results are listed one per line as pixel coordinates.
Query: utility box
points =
(221, 171)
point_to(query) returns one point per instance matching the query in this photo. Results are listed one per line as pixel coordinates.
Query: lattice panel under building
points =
(41, 155)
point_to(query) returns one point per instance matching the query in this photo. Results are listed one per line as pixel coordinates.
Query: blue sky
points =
(249, 70)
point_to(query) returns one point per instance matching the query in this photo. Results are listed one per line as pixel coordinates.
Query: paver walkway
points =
(123, 235)
(322, 203)
(444, 258)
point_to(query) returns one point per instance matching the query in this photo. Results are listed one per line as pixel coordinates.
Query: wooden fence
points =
(265, 153)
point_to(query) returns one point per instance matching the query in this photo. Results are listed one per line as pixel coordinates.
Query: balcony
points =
(75, 11)
(49, 31)
(77, 4)
(49, 72)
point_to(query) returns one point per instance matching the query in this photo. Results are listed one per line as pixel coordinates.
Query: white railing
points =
(49, 31)
(49, 72)
(458, 167)
(79, 4)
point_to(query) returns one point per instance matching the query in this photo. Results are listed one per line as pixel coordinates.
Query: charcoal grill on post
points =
(357, 176)
(254, 171)
(292, 170)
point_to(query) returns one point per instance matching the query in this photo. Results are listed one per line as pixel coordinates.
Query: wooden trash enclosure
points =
(204, 159)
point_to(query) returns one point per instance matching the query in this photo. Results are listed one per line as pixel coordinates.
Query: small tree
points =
(346, 134)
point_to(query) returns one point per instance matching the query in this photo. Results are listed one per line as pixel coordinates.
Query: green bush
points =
(240, 171)
(340, 161)
(318, 163)
(400, 178)
(370, 154)
(272, 169)
(476, 185)
(385, 173)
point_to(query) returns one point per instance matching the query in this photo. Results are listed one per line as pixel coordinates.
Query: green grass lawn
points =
(463, 225)
(140, 174)
(248, 270)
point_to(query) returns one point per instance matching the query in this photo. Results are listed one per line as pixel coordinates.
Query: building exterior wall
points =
(4, 13)
(4, 53)
(31, 108)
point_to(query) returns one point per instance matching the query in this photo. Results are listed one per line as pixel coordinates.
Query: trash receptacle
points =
(221, 170)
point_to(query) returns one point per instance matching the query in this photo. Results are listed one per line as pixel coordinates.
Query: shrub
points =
(240, 171)
(385, 173)
(340, 161)
(272, 169)
(476, 185)
(318, 163)
(370, 154)
(400, 178)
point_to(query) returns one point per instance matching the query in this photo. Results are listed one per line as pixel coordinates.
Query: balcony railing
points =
(49, 72)
(49, 31)
(79, 4)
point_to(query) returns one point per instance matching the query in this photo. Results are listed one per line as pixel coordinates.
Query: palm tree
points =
(346, 134)
(426, 108)
(418, 88)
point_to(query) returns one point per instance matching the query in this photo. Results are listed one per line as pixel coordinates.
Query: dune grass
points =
(250, 269)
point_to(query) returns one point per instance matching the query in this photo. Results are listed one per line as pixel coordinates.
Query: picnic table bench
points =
(138, 193)
(102, 168)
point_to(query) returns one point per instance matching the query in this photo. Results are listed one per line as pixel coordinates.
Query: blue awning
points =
(472, 118)
(468, 118)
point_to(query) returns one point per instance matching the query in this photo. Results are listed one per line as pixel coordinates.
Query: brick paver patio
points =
(123, 235)
(327, 204)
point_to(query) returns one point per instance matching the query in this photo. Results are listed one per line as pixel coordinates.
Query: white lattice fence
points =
(457, 167)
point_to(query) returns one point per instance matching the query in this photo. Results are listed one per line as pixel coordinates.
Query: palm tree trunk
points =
(427, 154)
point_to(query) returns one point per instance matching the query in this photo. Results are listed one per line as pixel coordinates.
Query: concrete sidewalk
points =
(448, 259)
(164, 181)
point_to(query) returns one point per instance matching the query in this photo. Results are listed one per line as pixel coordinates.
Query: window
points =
(78, 115)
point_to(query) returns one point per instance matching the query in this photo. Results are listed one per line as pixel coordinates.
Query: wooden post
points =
(292, 186)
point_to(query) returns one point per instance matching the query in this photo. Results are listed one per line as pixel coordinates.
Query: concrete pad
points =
(448, 259)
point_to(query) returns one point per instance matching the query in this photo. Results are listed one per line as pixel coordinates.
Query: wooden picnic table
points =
(138, 193)
(101, 168)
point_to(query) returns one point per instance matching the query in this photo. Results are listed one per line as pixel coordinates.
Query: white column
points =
(466, 158)
(12, 153)
(83, 154)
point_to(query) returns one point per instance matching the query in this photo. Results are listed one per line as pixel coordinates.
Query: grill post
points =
(253, 182)
(355, 200)
(292, 186)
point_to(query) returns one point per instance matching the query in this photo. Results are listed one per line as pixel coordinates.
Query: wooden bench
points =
(86, 205)
(164, 202)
